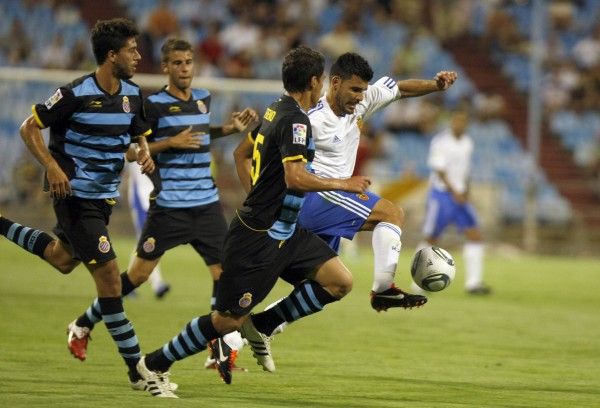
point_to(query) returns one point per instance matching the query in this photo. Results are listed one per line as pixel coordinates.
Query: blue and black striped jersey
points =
(183, 177)
(90, 131)
(284, 135)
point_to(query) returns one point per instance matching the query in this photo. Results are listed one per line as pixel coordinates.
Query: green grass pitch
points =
(534, 343)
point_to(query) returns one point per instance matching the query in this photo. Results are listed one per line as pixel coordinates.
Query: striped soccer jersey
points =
(284, 135)
(183, 177)
(90, 131)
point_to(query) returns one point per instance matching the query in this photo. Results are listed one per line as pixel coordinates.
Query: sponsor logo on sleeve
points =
(57, 96)
(299, 133)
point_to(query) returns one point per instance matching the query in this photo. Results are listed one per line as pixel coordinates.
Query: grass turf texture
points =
(534, 343)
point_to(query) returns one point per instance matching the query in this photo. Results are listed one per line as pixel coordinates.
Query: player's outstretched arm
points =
(240, 122)
(243, 162)
(57, 179)
(419, 87)
(299, 179)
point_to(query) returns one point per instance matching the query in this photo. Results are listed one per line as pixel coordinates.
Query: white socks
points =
(155, 278)
(386, 250)
(473, 258)
(234, 340)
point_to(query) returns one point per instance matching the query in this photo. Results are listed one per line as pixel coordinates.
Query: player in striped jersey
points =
(264, 243)
(336, 121)
(448, 201)
(184, 205)
(91, 120)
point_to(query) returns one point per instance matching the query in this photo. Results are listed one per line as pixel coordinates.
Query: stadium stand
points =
(399, 38)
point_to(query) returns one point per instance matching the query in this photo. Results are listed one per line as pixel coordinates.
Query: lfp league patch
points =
(299, 133)
(57, 96)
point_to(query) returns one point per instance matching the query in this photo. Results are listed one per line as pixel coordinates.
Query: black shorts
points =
(82, 224)
(252, 262)
(204, 227)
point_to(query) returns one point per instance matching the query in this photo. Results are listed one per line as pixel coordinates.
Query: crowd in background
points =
(402, 38)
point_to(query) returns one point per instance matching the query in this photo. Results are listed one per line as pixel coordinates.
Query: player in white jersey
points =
(139, 188)
(450, 160)
(336, 122)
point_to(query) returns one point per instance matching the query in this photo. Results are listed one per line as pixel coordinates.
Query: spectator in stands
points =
(16, 45)
(79, 57)
(56, 55)
(242, 35)
(451, 18)
(339, 41)
(489, 105)
(587, 50)
(210, 47)
(503, 35)
(409, 59)
(162, 21)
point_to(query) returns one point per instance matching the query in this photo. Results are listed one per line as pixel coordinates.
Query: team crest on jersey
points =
(57, 96)
(360, 123)
(299, 133)
(103, 244)
(363, 197)
(245, 300)
(126, 106)
(202, 107)
(149, 245)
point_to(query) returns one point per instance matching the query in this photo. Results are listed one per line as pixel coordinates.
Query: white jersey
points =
(452, 156)
(336, 137)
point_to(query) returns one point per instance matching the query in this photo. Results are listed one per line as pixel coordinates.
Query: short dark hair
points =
(111, 35)
(349, 64)
(299, 66)
(173, 44)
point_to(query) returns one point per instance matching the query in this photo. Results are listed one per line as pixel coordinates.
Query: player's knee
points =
(390, 212)
(225, 322)
(342, 287)
(66, 268)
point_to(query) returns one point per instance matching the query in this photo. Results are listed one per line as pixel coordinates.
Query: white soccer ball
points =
(433, 269)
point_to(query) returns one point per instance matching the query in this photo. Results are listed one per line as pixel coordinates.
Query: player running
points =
(185, 207)
(264, 242)
(91, 120)
(335, 122)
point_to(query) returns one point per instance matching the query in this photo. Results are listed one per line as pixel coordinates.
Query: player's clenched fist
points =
(445, 79)
(358, 184)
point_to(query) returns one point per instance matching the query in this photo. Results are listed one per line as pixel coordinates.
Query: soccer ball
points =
(433, 269)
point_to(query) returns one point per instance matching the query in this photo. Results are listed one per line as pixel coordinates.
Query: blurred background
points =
(528, 70)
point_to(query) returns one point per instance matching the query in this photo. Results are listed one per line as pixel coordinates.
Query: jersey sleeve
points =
(139, 124)
(151, 117)
(379, 95)
(252, 134)
(294, 134)
(57, 108)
